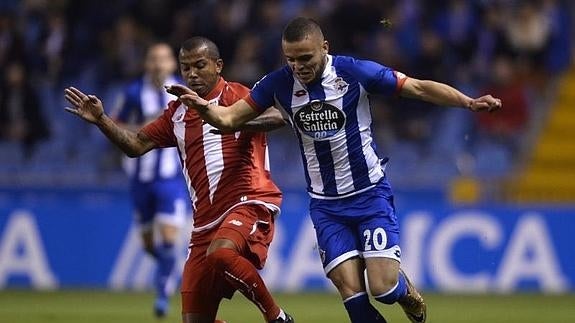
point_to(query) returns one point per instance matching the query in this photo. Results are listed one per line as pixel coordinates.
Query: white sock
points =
(282, 315)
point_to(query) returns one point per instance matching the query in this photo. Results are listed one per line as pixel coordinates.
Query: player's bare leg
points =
(349, 280)
(389, 284)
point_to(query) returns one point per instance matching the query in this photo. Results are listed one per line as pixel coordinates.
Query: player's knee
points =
(215, 258)
(382, 286)
(390, 295)
(220, 258)
(346, 287)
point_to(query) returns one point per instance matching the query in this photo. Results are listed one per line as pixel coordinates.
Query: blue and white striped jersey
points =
(140, 103)
(332, 119)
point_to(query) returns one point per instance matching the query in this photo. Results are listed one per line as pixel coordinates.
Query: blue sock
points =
(360, 310)
(395, 293)
(166, 261)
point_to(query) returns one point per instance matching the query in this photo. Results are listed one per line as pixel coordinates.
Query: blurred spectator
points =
(528, 31)
(53, 44)
(457, 26)
(125, 47)
(9, 5)
(491, 40)
(220, 23)
(454, 41)
(246, 67)
(363, 15)
(269, 24)
(21, 118)
(559, 52)
(11, 41)
(182, 26)
(507, 125)
(413, 122)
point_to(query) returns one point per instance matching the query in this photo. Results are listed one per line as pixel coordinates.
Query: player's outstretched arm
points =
(223, 118)
(445, 95)
(269, 120)
(90, 109)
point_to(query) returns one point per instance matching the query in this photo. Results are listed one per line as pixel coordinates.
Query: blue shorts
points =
(164, 201)
(362, 225)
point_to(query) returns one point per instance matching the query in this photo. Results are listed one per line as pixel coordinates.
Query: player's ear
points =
(219, 65)
(325, 47)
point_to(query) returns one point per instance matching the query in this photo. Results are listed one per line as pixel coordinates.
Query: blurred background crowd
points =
(517, 50)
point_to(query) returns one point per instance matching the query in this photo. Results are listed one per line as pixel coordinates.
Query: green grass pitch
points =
(87, 306)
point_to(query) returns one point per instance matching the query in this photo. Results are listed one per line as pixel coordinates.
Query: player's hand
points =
(87, 107)
(177, 90)
(485, 103)
(187, 96)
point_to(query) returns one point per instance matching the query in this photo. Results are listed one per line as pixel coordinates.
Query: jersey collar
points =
(217, 90)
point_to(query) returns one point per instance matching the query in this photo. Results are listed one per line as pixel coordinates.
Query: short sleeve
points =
(261, 96)
(160, 131)
(374, 77)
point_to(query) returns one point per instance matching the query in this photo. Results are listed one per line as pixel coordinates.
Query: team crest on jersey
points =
(316, 105)
(179, 114)
(340, 85)
(319, 120)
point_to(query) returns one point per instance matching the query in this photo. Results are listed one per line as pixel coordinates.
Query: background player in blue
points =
(156, 180)
(326, 98)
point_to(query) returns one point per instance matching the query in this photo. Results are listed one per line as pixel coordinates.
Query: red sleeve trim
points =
(400, 83)
(401, 78)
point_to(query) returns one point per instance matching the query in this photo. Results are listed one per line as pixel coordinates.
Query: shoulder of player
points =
(233, 91)
(350, 62)
(236, 87)
(277, 77)
(357, 67)
(342, 62)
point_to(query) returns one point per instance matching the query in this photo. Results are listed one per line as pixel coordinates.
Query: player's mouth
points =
(305, 76)
(196, 86)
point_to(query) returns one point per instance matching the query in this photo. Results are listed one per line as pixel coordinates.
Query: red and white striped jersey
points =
(221, 171)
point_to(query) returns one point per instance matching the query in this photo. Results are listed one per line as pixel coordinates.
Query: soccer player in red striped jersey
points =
(227, 174)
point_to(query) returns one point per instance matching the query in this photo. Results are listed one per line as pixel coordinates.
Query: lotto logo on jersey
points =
(319, 120)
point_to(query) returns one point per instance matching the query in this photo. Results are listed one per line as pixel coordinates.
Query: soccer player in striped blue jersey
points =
(157, 185)
(326, 99)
